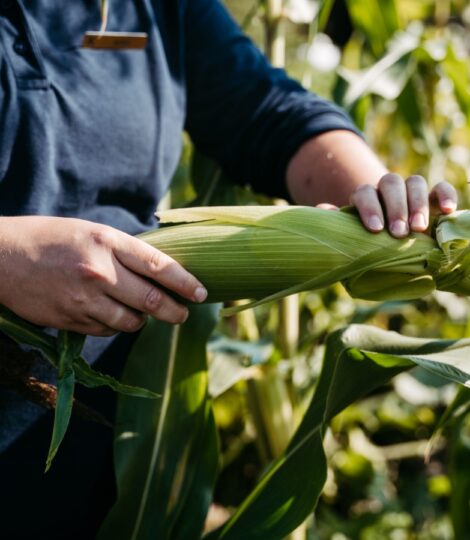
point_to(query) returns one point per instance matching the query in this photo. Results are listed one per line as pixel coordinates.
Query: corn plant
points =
(386, 59)
(166, 472)
(167, 452)
(228, 249)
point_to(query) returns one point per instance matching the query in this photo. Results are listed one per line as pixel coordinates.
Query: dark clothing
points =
(70, 501)
(97, 135)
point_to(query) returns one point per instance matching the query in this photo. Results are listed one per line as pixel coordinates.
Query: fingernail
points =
(399, 228)
(418, 222)
(448, 204)
(200, 294)
(185, 316)
(375, 223)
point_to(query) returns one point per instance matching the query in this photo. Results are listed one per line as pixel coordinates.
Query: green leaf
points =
(230, 360)
(460, 478)
(385, 78)
(91, 378)
(70, 346)
(26, 333)
(376, 19)
(459, 406)
(362, 313)
(358, 359)
(199, 495)
(457, 69)
(324, 14)
(410, 108)
(165, 450)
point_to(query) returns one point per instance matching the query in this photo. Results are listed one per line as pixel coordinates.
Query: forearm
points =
(337, 167)
(329, 167)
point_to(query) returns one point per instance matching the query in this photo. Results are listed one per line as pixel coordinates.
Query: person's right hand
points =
(77, 275)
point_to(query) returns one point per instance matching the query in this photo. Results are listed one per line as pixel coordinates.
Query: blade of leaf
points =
(378, 20)
(324, 14)
(289, 490)
(231, 361)
(459, 405)
(26, 333)
(91, 378)
(387, 77)
(161, 444)
(199, 496)
(357, 360)
(70, 346)
(457, 71)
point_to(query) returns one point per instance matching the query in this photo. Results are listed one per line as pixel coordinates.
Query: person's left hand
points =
(402, 206)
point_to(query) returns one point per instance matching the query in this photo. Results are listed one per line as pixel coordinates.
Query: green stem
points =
(289, 325)
(274, 33)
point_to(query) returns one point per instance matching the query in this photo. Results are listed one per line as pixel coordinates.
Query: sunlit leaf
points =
(387, 77)
(357, 360)
(70, 346)
(165, 450)
(200, 493)
(230, 361)
(91, 378)
(377, 19)
(26, 333)
(458, 71)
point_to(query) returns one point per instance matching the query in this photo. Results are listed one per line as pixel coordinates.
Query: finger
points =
(418, 205)
(91, 327)
(327, 206)
(393, 193)
(443, 198)
(152, 263)
(142, 295)
(116, 316)
(366, 200)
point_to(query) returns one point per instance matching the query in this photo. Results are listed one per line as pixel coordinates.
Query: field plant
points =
(317, 417)
(359, 450)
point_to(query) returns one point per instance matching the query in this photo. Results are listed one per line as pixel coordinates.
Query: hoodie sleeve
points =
(248, 116)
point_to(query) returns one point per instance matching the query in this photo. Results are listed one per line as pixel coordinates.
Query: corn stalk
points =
(268, 393)
(275, 41)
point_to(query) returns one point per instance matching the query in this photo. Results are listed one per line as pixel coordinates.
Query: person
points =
(89, 142)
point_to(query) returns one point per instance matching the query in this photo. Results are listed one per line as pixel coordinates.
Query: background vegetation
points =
(400, 67)
(382, 449)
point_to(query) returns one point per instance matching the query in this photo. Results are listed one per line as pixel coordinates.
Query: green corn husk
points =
(266, 252)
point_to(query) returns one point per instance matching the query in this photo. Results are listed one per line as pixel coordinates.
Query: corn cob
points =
(264, 253)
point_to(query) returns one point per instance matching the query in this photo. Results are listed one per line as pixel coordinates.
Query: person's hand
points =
(402, 207)
(78, 275)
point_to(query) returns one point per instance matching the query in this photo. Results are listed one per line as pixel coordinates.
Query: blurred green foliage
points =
(401, 69)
